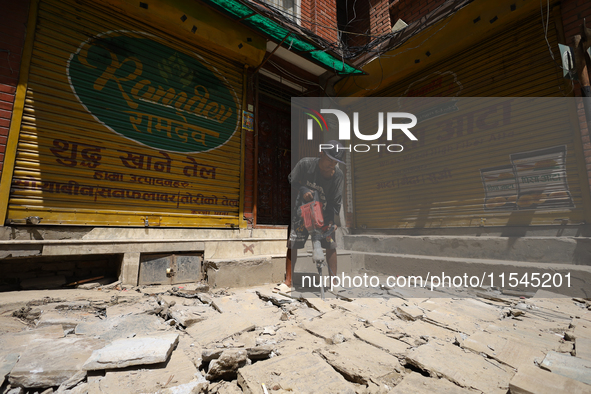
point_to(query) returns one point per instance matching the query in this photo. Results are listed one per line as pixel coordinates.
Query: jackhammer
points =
(311, 213)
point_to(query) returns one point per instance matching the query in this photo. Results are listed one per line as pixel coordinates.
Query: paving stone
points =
(146, 307)
(418, 384)
(7, 362)
(583, 348)
(369, 309)
(52, 362)
(360, 362)
(462, 367)
(122, 353)
(533, 380)
(569, 366)
(10, 324)
(302, 373)
(119, 327)
(509, 351)
(67, 319)
(217, 328)
(465, 315)
(333, 322)
(18, 342)
(189, 315)
(131, 380)
(381, 341)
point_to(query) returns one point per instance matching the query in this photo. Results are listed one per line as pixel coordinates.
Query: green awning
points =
(277, 33)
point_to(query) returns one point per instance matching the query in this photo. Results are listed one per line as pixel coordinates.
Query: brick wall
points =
(320, 16)
(13, 19)
(412, 10)
(573, 13)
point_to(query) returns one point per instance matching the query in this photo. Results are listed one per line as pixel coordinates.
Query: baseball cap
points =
(337, 152)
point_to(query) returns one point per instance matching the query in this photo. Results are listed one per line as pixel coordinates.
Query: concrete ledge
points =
(244, 272)
(569, 250)
(405, 265)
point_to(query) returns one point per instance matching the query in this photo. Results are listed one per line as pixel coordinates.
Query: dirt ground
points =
(187, 339)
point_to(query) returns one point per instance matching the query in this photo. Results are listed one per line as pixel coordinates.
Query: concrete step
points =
(568, 279)
(568, 250)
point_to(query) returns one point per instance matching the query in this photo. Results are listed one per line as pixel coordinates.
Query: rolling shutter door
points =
(509, 169)
(126, 126)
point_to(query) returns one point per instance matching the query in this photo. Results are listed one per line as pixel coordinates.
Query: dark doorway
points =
(274, 162)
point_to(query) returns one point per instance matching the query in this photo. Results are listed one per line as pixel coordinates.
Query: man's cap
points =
(336, 152)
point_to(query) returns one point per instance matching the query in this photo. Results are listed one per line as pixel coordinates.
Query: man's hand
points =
(308, 197)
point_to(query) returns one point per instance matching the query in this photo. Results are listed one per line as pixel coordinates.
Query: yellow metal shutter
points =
(454, 177)
(124, 125)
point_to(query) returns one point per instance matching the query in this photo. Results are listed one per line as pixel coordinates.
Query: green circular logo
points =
(153, 94)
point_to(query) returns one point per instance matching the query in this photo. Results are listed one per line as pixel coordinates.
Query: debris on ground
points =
(188, 339)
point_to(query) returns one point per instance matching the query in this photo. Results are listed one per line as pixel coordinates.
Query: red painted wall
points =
(13, 24)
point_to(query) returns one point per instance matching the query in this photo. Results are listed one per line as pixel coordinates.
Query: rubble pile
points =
(159, 339)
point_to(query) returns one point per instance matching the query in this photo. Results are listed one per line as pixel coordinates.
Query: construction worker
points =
(322, 175)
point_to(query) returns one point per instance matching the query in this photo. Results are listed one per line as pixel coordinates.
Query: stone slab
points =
(583, 348)
(332, 323)
(566, 365)
(18, 342)
(67, 319)
(533, 380)
(52, 362)
(11, 324)
(147, 307)
(509, 351)
(418, 384)
(178, 370)
(119, 327)
(464, 315)
(220, 327)
(7, 362)
(302, 373)
(462, 367)
(381, 341)
(360, 362)
(123, 353)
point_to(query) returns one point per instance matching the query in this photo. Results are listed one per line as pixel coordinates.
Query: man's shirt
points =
(307, 174)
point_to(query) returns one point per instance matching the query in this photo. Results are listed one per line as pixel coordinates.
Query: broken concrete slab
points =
(123, 353)
(218, 328)
(302, 373)
(583, 348)
(465, 315)
(119, 327)
(189, 315)
(409, 312)
(461, 367)
(566, 365)
(381, 341)
(418, 384)
(334, 322)
(534, 380)
(196, 386)
(18, 342)
(67, 319)
(506, 350)
(7, 362)
(10, 324)
(369, 309)
(52, 362)
(178, 370)
(146, 307)
(360, 362)
(226, 365)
